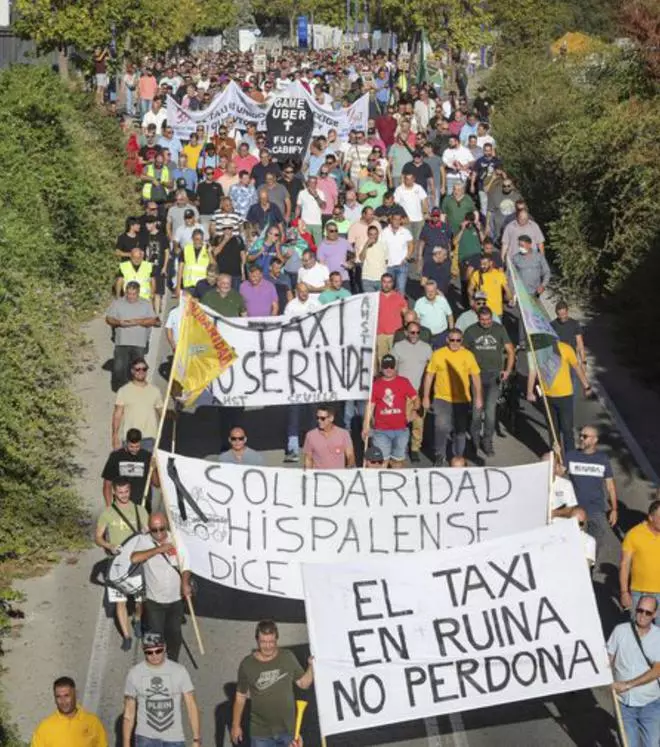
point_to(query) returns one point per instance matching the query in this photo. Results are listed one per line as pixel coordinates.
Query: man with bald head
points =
(303, 303)
(166, 582)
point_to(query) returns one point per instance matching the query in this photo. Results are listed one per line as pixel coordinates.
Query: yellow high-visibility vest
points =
(141, 274)
(194, 265)
(151, 171)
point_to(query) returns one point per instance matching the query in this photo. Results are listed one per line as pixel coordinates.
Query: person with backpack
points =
(119, 521)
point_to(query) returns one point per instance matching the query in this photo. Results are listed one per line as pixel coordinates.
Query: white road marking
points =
(97, 661)
(433, 738)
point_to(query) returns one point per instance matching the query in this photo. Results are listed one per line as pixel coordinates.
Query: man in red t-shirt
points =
(390, 395)
(391, 308)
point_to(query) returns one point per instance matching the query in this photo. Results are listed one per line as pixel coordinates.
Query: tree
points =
(151, 25)
(640, 19)
(459, 24)
(528, 23)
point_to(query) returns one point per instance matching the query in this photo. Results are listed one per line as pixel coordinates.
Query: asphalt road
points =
(227, 617)
(67, 631)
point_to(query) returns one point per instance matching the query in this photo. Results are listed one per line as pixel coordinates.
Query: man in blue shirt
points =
(483, 172)
(183, 172)
(590, 472)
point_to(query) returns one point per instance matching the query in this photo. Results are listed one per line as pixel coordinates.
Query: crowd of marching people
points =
(418, 208)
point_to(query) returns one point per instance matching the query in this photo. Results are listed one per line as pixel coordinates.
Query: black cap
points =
(189, 213)
(373, 454)
(388, 361)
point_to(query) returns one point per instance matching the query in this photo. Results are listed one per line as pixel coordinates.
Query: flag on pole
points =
(540, 334)
(422, 68)
(201, 353)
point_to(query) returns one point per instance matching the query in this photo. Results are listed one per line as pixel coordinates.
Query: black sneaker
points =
(415, 457)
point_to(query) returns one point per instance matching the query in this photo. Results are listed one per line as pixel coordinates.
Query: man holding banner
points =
(267, 676)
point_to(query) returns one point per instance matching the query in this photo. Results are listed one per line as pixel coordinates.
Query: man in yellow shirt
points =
(491, 281)
(70, 725)
(454, 369)
(559, 393)
(641, 555)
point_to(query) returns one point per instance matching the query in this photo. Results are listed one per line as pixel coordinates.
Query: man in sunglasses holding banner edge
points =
(634, 649)
(166, 582)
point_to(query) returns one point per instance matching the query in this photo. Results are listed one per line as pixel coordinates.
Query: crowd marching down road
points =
(360, 486)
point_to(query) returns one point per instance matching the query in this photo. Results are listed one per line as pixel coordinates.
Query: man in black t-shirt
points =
(130, 462)
(157, 251)
(209, 194)
(421, 171)
(569, 331)
(229, 254)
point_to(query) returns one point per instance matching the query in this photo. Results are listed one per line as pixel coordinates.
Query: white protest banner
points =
(324, 356)
(396, 639)
(355, 117)
(261, 523)
(231, 102)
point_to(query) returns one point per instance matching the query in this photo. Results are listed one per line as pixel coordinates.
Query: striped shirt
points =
(224, 220)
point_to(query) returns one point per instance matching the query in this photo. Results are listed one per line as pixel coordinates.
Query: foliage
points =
(148, 25)
(590, 160)
(64, 204)
(640, 19)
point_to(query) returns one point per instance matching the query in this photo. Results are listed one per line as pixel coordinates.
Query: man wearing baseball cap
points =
(153, 693)
(392, 398)
(373, 458)
(471, 316)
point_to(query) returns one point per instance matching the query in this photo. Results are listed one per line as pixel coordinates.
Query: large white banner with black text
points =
(252, 527)
(324, 356)
(396, 639)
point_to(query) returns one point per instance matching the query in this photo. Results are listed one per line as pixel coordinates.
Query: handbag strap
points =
(641, 648)
(127, 522)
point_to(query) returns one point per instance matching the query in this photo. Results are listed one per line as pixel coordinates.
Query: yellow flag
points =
(202, 354)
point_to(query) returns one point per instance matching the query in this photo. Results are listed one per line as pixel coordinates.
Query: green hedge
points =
(580, 138)
(65, 196)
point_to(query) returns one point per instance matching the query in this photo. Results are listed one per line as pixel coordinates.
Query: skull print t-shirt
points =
(158, 691)
(270, 686)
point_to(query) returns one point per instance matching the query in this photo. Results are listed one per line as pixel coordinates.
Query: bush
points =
(580, 138)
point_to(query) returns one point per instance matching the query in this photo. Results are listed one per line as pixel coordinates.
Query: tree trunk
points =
(63, 62)
(292, 30)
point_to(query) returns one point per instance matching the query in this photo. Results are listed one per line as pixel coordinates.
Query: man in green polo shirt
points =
(223, 300)
(456, 206)
(335, 291)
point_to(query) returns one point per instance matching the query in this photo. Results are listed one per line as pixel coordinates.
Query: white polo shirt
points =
(396, 243)
(310, 211)
(316, 277)
(411, 201)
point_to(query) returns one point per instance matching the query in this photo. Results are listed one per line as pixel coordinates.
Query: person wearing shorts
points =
(392, 398)
(119, 521)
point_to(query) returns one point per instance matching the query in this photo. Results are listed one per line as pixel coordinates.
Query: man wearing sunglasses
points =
(138, 405)
(152, 696)
(239, 452)
(166, 582)
(634, 649)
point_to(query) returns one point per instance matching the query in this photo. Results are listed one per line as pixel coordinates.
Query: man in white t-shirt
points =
(400, 249)
(456, 164)
(309, 207)
(303, 303)
(156, 115)
(413, 198)
(313, 275)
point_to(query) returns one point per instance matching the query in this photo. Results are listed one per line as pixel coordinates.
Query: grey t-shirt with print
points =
(158, 691)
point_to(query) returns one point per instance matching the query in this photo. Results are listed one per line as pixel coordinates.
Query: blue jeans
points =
(400, 275)
(280, 740)
(353, 408)
(393, 444)
(636, 596)
(141, 741)
(642, 724)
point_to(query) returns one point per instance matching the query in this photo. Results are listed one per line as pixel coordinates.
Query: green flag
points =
(422, 69)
